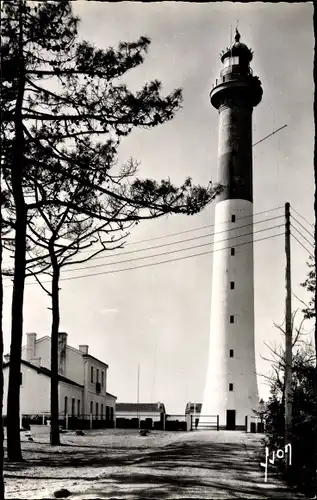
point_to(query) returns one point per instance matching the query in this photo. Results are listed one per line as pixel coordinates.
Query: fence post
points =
(43, 419)
(246, 423)
(217, 422)
(163, 421)
(66, 421)
(90, 418)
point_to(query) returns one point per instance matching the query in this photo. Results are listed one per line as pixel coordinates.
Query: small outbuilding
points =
(140, 415)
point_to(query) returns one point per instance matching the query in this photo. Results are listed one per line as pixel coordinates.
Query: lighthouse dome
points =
(237, 49)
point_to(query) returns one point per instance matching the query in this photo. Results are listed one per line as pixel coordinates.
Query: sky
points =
(158, 316)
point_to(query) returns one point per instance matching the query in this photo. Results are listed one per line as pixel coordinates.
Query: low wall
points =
(40, 429)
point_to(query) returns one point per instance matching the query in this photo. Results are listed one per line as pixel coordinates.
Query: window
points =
(65, 405)
(92, 374)
(231, 319)
(73, 407)
(91, 407)
(230, 387)
(231, 285)
(96, 410)
(232, 251)
(97, 375)
(231, 353)
(101, 411)
(78, 407)
(233, 218)
(102, 378)
(230, 61)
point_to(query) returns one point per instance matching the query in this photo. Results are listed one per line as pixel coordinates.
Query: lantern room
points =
(236, 59)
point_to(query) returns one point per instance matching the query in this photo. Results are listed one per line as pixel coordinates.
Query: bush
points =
(302, 472)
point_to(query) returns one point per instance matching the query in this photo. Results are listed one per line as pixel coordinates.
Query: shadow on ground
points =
(192, 469)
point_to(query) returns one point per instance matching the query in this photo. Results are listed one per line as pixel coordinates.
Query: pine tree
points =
(64, 115)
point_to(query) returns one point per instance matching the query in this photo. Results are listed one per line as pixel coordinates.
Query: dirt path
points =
(122, 465)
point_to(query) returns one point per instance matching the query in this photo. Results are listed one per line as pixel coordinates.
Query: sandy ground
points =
(121, 464)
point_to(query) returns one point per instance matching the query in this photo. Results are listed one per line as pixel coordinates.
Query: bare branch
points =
(42, 286)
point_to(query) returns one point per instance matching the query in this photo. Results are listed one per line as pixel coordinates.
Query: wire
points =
(301, 244)
(310, 234)
(272, 133)
(294, 227)
(312, 225)
(158, 263)
(183, 232)
(202, 227)
(187, 239)
(174, 251)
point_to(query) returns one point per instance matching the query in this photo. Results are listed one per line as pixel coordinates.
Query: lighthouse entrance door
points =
(231, 420)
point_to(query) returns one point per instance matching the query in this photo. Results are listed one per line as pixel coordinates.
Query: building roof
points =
(109, 394)
(47, 337)
(144, 407)
(96, 359)
(47, 372)
(191, 407)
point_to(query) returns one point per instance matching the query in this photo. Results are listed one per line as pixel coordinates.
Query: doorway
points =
(231, 420)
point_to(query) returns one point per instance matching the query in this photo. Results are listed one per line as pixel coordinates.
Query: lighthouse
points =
(231, 384)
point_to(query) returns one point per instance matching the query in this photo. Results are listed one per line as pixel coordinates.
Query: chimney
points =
(83, 349)
(30, 346)
(62, 343)
(6, 358)
(36, 361)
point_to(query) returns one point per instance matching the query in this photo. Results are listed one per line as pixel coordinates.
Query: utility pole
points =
(288, 331)
(314, 464)
(138, 395)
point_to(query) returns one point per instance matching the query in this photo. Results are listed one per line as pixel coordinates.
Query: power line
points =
(184, 232)
(203, 227)
(187, 239)
(175, 251)
(310, 234)
(160, 262)
(301, 244)
(309, 223)
(178, 250)
(294, 227)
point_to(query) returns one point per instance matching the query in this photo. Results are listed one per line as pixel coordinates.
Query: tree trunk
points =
(315, 255)
(13, 407)
(1, 369)
(54, 351)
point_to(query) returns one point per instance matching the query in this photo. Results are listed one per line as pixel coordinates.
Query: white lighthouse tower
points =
(231, 385)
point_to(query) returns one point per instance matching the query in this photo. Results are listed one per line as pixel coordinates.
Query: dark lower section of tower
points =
(235, 152)
(235, 96)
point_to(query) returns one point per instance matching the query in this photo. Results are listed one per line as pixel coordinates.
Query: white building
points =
(82, 380)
